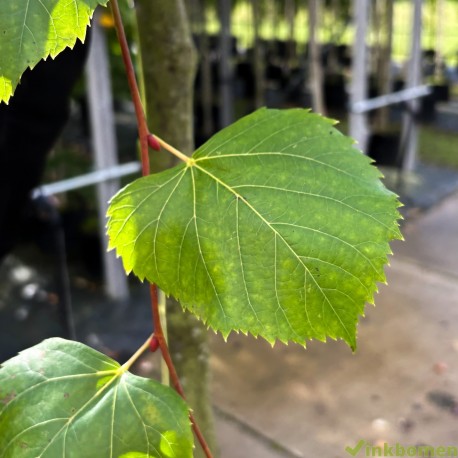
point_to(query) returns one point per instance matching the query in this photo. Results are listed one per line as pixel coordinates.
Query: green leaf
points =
(278, 226)
(31, 30)
(62, 398)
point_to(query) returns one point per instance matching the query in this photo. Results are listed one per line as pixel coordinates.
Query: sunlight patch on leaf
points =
(62, 398)
(278, 227)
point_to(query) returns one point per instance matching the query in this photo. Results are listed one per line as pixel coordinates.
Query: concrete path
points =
(400, 386)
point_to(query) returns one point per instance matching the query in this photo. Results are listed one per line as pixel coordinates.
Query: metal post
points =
(409, 138)
(105, 150)
(404, 95)
(358, 121)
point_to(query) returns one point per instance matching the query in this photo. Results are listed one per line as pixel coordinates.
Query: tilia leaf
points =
(277, 226)
(31, 30)
(64, 399)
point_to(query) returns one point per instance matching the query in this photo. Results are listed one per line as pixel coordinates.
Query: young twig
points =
(158, 332)
(134, 91)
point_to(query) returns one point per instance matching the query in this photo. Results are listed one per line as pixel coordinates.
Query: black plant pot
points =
(441, 92)
(427, 112)
(335, 95)
(383, 147)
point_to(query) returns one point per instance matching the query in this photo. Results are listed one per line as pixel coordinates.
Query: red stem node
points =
(153, 143)
(154, 344)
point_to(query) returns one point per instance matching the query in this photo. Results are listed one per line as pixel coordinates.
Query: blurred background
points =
(387, 71)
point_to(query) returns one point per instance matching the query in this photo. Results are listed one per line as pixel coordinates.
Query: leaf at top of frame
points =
(31, 30)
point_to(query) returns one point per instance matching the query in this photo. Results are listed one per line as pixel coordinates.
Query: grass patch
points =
(438, 147)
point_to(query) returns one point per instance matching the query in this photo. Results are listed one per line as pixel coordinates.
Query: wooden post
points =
(105, 150)
(409, 137)
(358, 121)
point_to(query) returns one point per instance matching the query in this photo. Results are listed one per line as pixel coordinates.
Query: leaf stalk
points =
(126, 366)
(173, 150)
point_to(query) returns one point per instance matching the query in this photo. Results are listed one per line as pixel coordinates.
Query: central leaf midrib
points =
(198, 244)
(81, 409)
(256, 212)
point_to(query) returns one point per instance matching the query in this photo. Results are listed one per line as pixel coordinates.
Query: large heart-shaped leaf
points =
(64, 399)
(277, 226)
(31, 30)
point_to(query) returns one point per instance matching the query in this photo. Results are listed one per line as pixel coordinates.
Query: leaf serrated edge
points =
(10, 85)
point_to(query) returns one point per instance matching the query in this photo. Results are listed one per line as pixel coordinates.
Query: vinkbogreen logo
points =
(363, 448)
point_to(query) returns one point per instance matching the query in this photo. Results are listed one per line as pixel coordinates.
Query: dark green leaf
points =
(278, 226)
(63, 399)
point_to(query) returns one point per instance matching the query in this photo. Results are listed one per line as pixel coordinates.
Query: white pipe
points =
(88, 179)
(405, 95)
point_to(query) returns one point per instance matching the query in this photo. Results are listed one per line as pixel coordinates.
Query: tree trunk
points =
(206, 88)
(383, 69)
(258, 58)
(332, 65)
(409, 136)
(100, 103)
(226, 110)
(438, 59)
(315, 70)
(290, 14)
(358, 121)
(168, 64)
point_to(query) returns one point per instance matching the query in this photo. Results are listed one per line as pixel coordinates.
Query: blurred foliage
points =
(438, 147)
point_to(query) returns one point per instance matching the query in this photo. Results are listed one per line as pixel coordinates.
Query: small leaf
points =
(61, 398)
(31, 30)
(278, 226)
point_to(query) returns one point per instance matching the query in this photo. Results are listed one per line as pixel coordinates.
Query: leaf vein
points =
(269, 225)
(311, 194)
(241, 265)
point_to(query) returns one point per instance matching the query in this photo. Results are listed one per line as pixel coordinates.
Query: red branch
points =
(144, 136)
(158, 332)
(143, 131)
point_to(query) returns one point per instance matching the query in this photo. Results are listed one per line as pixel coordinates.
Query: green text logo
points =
(365, 449)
